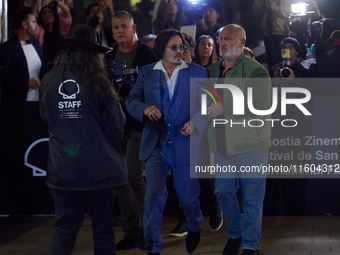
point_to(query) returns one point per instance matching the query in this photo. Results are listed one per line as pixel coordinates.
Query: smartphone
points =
(285, 55)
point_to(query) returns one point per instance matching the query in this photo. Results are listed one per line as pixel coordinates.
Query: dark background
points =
(232, 11)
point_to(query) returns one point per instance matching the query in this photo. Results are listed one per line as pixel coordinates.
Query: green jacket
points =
(242, 138)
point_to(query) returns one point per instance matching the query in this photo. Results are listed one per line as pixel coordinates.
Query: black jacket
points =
(299, 70)
(144, 56)
(14, 71)
(107, 30)
(85, 127)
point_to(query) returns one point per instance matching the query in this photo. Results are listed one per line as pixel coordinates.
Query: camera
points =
(301, 8)
(117, 72)
(285, 72)
(195, 9)
(301, 23)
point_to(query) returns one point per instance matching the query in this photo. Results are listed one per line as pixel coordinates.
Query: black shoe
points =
(180, 230)
(153, 253)
(250, 252)
(216, 219)
(232, 246)
(127, 243)
(192, 241)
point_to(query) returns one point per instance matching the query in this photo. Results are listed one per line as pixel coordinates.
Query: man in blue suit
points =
(162, 100)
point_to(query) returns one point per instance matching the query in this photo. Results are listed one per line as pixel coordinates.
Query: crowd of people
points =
(117, 107)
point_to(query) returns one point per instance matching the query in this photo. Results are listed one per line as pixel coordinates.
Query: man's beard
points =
(178, 63)
(178, 56)
(32, 33)
(230, 53)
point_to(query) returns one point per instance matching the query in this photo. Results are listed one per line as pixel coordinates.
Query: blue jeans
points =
(187, 189)
(249, 224)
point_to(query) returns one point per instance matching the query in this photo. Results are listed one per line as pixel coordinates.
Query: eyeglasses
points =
(175, 47)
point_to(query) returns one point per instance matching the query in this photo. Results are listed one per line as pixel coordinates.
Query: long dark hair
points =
(55, 29)
(212, 58)
(89, 69)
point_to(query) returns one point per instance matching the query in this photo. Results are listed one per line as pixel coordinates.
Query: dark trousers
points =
(70, 208)
(131, 196)
(273, 52)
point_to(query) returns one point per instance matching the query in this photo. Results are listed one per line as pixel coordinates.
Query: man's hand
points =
(200, 23)
(277, 72)
(316, 10)
(33, 84)
(109, 6)
(102, 4)
(188, 128)
(214, 110)
(153, 113)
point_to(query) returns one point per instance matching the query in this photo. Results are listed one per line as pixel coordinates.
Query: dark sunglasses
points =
(175, 47)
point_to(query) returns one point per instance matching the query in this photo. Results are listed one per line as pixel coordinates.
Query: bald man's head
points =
(236, 30)
(232, 40)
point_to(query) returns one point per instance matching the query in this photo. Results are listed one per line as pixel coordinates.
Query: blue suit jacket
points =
(14, 71)
(147, 92)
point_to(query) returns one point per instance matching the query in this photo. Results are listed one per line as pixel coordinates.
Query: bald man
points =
(240, 145)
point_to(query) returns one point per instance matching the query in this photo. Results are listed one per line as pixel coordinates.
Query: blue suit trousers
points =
(156, 171)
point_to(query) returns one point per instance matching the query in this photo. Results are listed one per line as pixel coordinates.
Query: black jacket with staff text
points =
(85, 126)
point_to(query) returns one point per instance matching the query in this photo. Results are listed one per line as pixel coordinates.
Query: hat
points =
(292, 41)
(81, 36)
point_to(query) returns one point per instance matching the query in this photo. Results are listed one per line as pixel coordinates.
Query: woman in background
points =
(170, 15)
(53, 26)
(205, 53)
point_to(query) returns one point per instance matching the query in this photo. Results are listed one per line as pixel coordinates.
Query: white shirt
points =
(33, 65)
(101, 37)
(171, 82)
